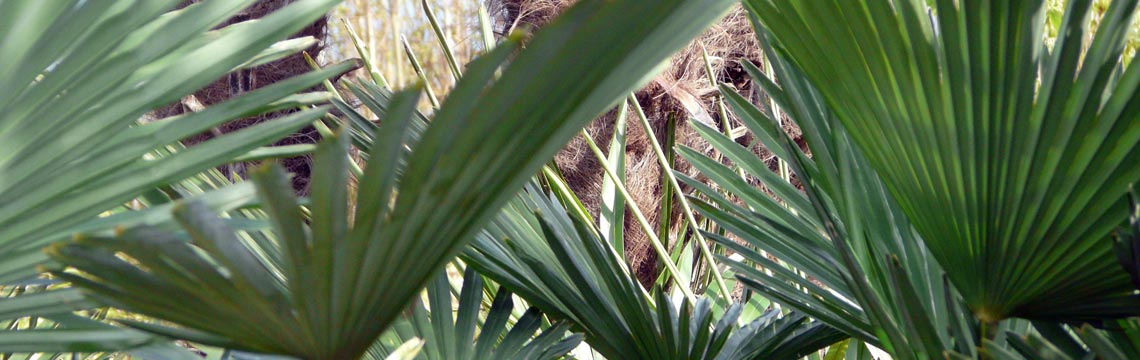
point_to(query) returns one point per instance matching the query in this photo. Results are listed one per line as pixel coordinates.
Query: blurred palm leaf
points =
(65, 335)
(77, 76)
(464, 337)
(1011, 159)
(41, 335)
(564, 267)
(336, 285)
(68, 88)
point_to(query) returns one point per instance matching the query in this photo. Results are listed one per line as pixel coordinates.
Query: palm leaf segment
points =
(338, 285)
(1011, 159)
(440, 336)
(565, 268)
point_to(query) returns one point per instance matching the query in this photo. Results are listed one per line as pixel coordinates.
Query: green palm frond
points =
(144, 60)
(564, 267)
(78, 76)
(58, 330)
(341, 279)
(465, 337)
(1012, 160)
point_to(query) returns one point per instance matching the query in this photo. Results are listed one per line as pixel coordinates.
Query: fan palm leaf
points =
(847, 255)
(1011, 159)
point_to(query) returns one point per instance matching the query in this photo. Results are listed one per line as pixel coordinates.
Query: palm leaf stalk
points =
(683, 279)
(687, 210)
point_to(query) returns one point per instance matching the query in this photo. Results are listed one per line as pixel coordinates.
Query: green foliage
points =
(449, 338)
(955, 144)
(341, 279)
(77, 77)
(563, 266)
(1011, 160)
(67, 88)
(867, 276)
(963, 173)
